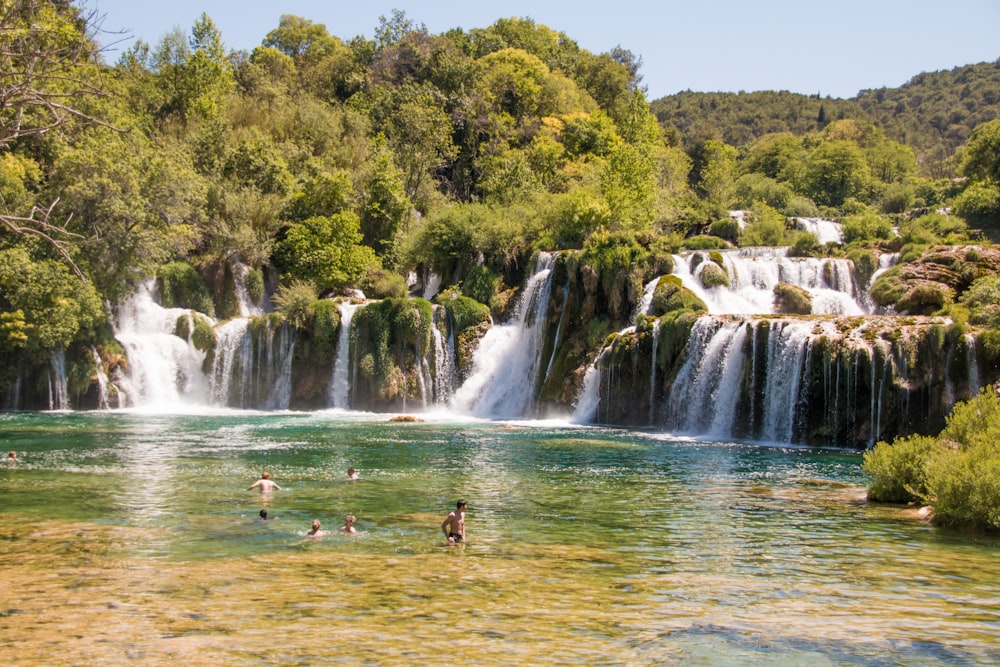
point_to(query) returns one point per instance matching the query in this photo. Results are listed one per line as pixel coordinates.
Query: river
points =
(129, 538)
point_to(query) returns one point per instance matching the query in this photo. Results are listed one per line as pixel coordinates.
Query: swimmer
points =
(348, 526)
(352, 474)
(454, 524)
(315, 532)
(264, 483)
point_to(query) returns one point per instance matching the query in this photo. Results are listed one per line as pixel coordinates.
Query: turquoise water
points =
(131, 539)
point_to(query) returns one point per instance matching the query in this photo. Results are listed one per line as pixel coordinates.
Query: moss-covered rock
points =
(791, 300)
(670, 295)
(713, 275)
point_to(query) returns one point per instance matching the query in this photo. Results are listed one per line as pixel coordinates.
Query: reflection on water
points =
(130, 539)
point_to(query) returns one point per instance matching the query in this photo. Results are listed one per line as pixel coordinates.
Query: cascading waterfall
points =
(444, 355)
(102, 380)
(58, 393)
(652, 371)
(701, 400)
(589, 398)
(164, 370)
(505, 366)
(972, 365)
(339, 392)
(826, 231)
(754, 273)
(247, 307)
(274, 369)
(233, 350)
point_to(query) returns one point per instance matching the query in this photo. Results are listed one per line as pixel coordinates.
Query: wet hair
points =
(350, 517)
(316, 524)
(460, 504)
(263, 514)
(265, 475)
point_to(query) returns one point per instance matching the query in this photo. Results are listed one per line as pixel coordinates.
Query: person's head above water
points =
(263, 514)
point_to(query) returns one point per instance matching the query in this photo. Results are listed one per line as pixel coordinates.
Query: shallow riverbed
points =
(129, 539)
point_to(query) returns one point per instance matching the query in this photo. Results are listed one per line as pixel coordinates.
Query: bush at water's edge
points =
(957, 473)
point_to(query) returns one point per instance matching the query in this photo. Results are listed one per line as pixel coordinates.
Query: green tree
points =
(835, 171)
(327, 251)
(982, 156)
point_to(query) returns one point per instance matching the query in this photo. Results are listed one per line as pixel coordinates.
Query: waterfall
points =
(247, 307)
(102, 380)
(164, 370)
(702, 400)
(233, 354)
(973, 365)
(589, 398)
(339, 391)
(505, 366)
(444, 355)
(646, 302)
(652, 370)
(277, 367)
(885, 262)
(787, 345)
(826, 231)
(58, 393)
(754, 273)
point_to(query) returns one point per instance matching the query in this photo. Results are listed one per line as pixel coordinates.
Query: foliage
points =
(326, 251)
(866, 227)
(382, 284)
(957, 473)
(481, 284)
(898, 470)
(294, 301)
(46, 302)
(180, 286)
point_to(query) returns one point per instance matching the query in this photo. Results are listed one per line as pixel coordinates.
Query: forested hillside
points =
(934, 113)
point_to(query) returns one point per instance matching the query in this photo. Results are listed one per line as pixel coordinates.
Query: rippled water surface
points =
(129, 539)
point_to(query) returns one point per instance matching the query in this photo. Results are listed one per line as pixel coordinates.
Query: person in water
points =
(315, 532)
(264, 483)
(12, 457)
(264, 516)
(352, 474)
(348, 526)
(454, 524)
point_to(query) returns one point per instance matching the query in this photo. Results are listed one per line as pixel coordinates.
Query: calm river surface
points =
(130, 539)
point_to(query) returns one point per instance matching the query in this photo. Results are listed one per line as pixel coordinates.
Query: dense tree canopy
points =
(329, 160)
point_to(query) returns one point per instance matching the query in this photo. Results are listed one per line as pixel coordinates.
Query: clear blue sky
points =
(833, 48)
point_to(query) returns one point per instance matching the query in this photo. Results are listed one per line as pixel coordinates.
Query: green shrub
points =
(382, 284)
(898, 470)
(466, 312)
(957, 473)
(481, 284)
(182, 287)
(255, 285)
(294, 300)
(923, 300)
(866, 227)
(727, 229)
(705, 242)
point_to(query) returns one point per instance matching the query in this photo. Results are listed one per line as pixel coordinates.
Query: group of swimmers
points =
(453, 525)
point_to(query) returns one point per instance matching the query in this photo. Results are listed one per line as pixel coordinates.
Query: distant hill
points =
(934, 112)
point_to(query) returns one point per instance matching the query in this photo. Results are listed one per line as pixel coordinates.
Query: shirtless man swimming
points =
(348, 526)
(264, 483)
(454, 524)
